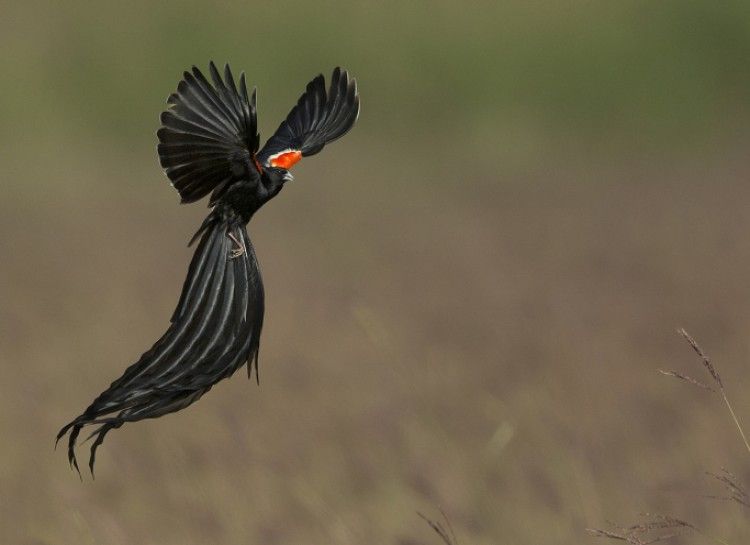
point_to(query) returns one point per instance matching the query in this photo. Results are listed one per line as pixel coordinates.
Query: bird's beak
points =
(287, 177)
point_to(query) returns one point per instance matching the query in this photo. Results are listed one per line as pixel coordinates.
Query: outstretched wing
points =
(317, 119)
(209, 135)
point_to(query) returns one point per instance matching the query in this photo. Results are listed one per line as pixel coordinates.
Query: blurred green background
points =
(467, 297)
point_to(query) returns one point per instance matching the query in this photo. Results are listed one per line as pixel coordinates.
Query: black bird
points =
(208, 143)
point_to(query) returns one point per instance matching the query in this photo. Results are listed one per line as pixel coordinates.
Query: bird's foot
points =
(239, 250)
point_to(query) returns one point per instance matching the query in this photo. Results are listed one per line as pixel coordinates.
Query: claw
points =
(239, 250)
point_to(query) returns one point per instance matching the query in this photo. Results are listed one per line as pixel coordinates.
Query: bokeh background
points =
(468, 297)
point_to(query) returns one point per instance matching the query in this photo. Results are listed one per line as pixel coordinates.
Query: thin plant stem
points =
(717, 379)
(736, 420)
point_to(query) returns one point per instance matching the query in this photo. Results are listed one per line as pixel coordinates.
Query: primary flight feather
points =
(208, 144)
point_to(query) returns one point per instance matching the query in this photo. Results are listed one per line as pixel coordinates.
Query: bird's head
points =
(274, 178)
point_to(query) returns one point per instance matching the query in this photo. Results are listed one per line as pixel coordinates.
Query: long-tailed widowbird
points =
(208, 144)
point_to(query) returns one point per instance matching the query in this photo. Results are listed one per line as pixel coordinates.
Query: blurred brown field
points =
(468, 297)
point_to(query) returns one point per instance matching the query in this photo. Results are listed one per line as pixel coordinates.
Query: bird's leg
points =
(239, 250)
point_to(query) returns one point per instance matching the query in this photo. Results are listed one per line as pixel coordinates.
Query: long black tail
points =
(215, 330)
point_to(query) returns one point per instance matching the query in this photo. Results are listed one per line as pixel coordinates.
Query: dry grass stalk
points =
(715, 376)
(706, 360)
(687, 378)
(664, 527)
(444, 531)
(735, 491)
(659, 528)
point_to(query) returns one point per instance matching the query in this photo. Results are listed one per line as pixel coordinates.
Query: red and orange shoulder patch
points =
(285, 159)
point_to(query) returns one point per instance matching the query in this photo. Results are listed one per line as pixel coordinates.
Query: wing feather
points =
(208, 135)
(318, 118)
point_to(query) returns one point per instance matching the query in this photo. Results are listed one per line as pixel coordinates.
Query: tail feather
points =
(215, 329)
(100, 432)
(74, 432)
